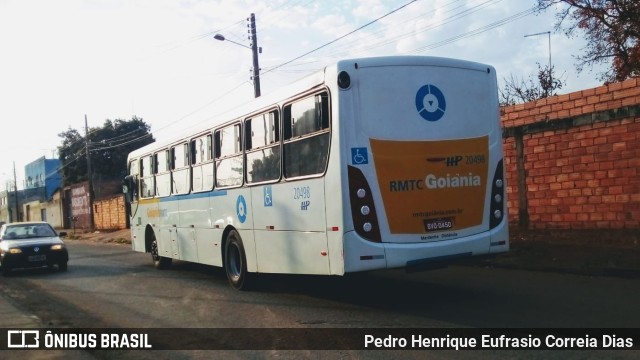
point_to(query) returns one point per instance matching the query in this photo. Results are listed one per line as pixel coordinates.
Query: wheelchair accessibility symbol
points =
(268, 197)
(359, 156)
(241, 209)
(430, 103)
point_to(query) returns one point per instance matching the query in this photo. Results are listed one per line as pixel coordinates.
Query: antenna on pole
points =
(548, 33)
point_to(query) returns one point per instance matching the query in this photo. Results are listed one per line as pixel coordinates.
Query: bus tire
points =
(235, 262)
(160, 262)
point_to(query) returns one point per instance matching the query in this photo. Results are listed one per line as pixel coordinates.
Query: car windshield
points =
(28, 231)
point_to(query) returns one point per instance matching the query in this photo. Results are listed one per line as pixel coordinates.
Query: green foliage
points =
(108, 148)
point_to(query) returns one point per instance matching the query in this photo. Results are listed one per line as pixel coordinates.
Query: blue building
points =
(43, 173)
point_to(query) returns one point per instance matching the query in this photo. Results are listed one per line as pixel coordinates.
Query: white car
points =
(31, 244)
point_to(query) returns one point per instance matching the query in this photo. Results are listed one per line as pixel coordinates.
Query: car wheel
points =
(160, 262)
(235, 263)
(6, 270)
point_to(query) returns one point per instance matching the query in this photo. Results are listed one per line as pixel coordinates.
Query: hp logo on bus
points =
(430, 103)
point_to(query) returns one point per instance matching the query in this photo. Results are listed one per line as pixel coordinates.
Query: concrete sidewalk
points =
(13, 318)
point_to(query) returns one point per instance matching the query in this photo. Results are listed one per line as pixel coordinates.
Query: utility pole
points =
(254, 49)
(15, 184)
(89, 173)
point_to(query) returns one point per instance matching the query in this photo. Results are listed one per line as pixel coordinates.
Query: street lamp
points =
(222, 38)
(549, 37)
(254, 49)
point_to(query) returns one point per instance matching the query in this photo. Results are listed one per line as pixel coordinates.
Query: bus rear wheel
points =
(160, 262)
(235, 262)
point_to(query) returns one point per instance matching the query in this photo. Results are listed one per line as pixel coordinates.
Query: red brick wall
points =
(581, 159)
(110, 214)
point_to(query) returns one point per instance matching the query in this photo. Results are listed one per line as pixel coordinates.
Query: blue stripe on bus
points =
(200, 195)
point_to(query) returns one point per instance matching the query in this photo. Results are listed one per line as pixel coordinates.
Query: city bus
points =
(372, 163)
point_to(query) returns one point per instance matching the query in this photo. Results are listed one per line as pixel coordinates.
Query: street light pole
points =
(255, 74)
(549, 37)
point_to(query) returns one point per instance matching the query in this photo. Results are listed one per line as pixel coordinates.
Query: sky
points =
(64, 60)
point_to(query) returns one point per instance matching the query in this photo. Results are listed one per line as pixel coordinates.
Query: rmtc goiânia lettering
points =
(436, 182)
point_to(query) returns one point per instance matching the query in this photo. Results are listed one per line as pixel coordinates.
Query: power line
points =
(348, 46)
(477, 31)
(341, 37)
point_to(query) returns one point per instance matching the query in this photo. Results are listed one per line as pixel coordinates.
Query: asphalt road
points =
(109, 286)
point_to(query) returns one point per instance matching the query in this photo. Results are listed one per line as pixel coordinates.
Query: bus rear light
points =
(363, 210)
(497, 196)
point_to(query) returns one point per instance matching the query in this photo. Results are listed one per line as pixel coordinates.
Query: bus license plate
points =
(438, 224)
(38, 258)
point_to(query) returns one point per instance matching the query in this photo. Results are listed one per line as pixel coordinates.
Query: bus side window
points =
(147, 177)
(180, 169)
(229, 158)
(262, 141)
(163, 174)
(201, 164)
(306, 126)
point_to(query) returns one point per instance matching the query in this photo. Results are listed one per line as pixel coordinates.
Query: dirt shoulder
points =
(588, 252)
(122, 236)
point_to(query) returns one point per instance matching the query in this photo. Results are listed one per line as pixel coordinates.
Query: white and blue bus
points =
(373, 163)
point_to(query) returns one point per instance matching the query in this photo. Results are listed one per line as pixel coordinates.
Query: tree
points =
(519, 91)
(612, 29)
(71, 153)
(108, 147)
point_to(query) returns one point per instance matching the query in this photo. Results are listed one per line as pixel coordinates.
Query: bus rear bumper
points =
(363, 255)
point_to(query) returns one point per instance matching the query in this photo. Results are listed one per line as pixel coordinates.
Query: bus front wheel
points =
(235, 262)
(160, 262)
